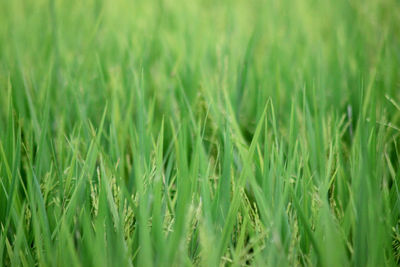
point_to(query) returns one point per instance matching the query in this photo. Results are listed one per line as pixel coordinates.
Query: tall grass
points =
(179, 133)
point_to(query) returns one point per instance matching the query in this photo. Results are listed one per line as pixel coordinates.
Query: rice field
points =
(199, 133)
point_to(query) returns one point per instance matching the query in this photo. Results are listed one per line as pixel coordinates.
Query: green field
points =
(199, 133)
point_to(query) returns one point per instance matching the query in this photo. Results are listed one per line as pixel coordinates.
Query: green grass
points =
(206, 133)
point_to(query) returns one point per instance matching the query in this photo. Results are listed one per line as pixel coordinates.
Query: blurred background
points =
(92, 52)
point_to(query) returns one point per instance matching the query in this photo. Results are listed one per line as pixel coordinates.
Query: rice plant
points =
(199, 133)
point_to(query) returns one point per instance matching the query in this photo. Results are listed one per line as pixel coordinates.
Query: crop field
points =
(199, 133)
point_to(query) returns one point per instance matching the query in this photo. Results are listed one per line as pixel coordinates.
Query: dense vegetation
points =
(173, 132)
